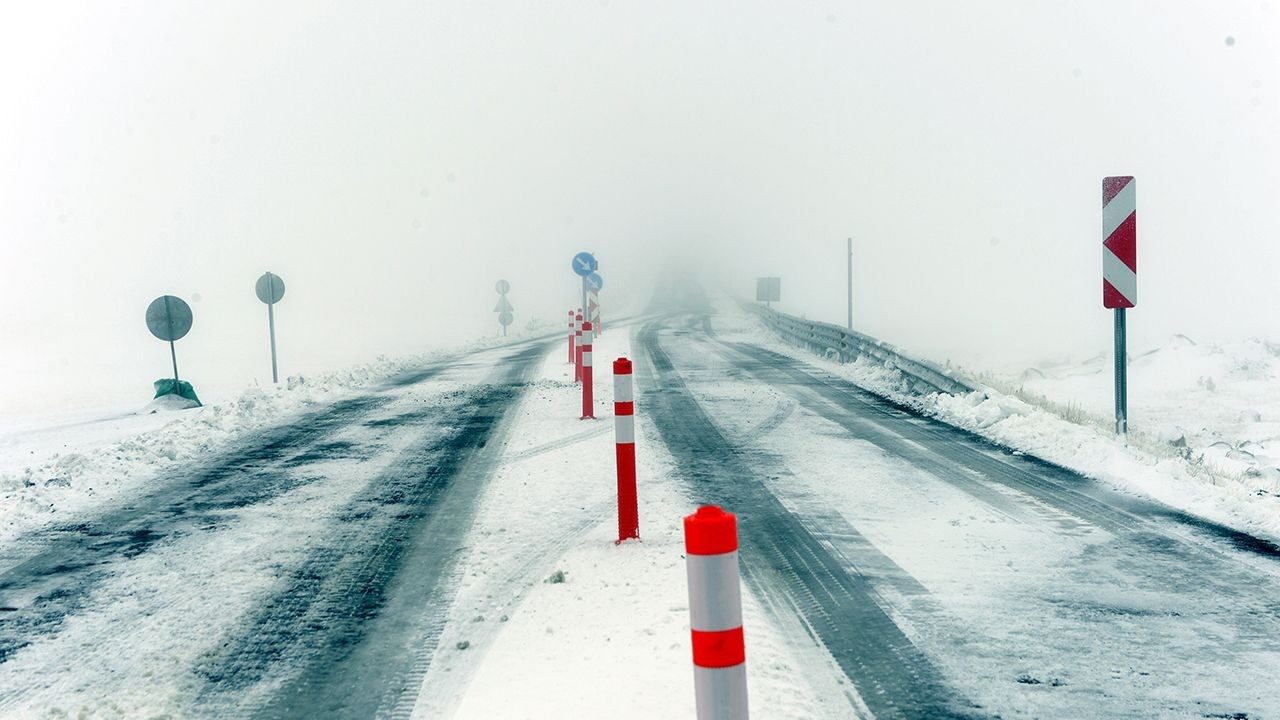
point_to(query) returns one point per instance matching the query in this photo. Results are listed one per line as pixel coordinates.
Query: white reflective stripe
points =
(586, 357)
(589, 335)
(624, 429)
(622, 388)
(1120, 208)
(1120, 276)
(715, 598)
(721, 693)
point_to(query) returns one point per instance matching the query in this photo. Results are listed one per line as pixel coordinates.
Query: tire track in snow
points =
(69, 561)
(840, 606)
(348, 635)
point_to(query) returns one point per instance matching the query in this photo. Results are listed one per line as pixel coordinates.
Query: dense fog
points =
(391, 161)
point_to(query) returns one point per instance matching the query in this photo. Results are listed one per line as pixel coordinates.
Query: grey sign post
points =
(850, 283)
(270, 289)
(169, 318)
(583, 264)
(768, 289)
(503, 308)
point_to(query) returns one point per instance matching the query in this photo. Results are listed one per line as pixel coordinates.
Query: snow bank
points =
(48, 473)
(1213, 447)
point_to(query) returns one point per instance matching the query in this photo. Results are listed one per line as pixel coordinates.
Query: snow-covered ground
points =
(53, 466)
(1204, 428)
(612, 637)
(1221, 402)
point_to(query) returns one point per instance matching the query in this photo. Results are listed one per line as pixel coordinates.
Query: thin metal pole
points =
(1122, 376)
(850, 283)
(271, 324)
(174, 354)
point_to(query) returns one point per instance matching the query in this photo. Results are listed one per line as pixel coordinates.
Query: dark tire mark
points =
(958, 456)
(841, 607)
(347, 634)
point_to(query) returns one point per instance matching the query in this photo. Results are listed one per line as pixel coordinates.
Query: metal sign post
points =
(594, 284)
(503, 308)
(1120, 274)
(584, 264)
(169, 319)
(850, 276)
(270, 290)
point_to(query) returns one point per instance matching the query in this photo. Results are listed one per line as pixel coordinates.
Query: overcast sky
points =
(392, 160)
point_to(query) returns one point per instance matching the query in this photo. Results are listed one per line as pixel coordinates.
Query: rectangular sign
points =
(769, 289)
(1119, 242)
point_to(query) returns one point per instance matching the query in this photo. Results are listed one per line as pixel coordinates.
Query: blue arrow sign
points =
(595, 282)
(584, 263)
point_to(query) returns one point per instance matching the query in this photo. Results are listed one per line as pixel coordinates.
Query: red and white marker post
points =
(571, 336)
(1120, 274)
(715, 614)
(588, 401)
(577, 349)
(624, 433)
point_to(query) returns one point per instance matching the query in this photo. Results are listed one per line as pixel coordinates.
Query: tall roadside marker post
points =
(577, 350)
(572, 327)
(503, 308)
(588, 400)
(715, 614)
(1120, 274)
(624, 434)
(270, 290)
(169, 318)
(850, 284)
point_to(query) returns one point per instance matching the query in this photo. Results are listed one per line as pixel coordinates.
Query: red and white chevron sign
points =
(1119, 242)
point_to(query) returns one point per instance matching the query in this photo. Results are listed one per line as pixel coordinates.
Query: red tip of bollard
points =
(586, 326)
(578, 316)
(710, 531)
(622, 366)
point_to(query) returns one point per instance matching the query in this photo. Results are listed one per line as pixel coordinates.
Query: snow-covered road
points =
(977, 581)
(441, 546)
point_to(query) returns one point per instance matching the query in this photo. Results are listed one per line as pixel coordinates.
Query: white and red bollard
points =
(572, 327)
(624, 434)
(577, 350)
(715, 614)
(584, 346)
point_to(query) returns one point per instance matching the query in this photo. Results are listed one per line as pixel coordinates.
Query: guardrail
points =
(837, 343)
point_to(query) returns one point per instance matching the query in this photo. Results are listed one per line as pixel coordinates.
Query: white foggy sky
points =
(392, 160)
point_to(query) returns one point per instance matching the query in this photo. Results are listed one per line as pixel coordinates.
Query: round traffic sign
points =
(270, 288)
(505, 318)
(595, 282)
(503, 287)
(584, 263)
(169, 318)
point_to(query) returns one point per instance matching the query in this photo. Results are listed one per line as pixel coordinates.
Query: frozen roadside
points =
(74, 463)
(551, 619)
(1144, 466)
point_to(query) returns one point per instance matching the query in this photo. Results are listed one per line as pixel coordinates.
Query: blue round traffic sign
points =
(584, 263)
(595, 282)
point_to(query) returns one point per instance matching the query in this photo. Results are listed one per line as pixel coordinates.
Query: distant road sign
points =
(169, 318)
(503, 287)
(270, 288)
(584, 263)
(505, 318)
(768, 289)
(595, 282)
(1119, 242)
(503, 306)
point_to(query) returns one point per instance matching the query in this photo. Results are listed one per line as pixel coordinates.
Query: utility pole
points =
(850, 283)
